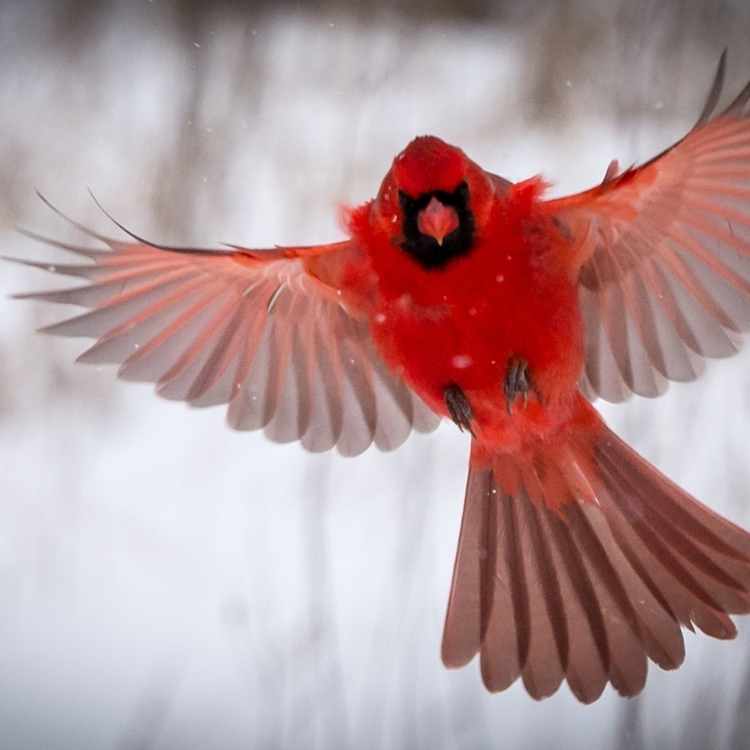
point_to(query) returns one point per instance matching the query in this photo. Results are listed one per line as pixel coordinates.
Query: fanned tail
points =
(580, 560)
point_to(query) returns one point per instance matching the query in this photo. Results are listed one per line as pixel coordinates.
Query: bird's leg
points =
(458, 408)
(517, 382)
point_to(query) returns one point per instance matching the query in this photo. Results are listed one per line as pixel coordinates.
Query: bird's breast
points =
(465, 325)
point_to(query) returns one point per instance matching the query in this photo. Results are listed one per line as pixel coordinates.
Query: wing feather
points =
(664, 259)
(248, 328)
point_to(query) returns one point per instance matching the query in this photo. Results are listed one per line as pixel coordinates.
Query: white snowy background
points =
(168, 583)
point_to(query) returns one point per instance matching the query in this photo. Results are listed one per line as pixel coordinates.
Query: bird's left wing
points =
(267, 332)
(662, 257)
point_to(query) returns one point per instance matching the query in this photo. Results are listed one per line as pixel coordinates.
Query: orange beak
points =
(437, 220)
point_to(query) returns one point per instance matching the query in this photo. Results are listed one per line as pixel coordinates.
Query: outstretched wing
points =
(663, 254)
(266, 332)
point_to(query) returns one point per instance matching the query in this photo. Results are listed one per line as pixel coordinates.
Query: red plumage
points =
(461, 295)
(462, 324)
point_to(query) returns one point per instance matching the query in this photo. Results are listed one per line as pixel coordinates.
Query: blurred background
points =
(167, 583)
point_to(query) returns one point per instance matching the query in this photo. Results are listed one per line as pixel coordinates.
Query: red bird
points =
(459, 294)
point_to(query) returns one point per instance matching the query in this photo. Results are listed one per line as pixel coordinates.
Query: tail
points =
(581, 560)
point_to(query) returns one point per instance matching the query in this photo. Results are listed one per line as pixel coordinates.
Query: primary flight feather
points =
(459, 294)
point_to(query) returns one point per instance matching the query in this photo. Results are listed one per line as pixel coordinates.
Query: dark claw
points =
(459, 408)
(517, 382)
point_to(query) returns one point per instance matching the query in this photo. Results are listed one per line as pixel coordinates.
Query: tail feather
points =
(582, 561)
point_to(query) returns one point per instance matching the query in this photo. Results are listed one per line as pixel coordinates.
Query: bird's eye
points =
(408, 204)
(461, 194)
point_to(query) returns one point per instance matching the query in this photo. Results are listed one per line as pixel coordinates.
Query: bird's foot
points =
(517, 382)
(459, 408)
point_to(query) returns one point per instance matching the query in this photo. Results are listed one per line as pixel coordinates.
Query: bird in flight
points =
(460, 294)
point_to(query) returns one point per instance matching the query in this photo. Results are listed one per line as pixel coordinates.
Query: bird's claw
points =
(517, 382)
(459, 408)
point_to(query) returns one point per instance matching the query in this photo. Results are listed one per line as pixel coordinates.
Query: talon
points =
(459, 408)
(517, 382)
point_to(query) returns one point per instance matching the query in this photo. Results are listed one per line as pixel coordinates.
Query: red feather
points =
(460, 294)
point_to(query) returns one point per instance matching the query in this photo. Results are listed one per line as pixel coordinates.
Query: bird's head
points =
(434, 202)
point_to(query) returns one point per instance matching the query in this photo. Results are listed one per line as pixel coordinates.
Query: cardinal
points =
(459, 294)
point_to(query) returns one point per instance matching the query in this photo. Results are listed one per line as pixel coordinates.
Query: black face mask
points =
(425, 249)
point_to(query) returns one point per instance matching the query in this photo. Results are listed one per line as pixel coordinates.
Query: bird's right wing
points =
(267, 332)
